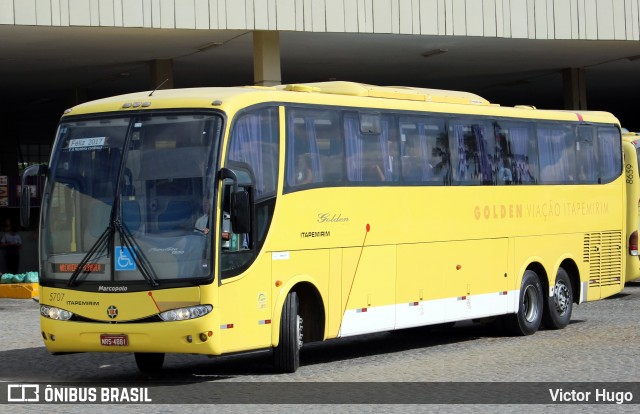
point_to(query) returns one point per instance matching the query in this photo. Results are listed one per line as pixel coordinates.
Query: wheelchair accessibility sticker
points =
(125, 259)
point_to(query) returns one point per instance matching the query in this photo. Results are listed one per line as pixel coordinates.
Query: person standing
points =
(11, 242)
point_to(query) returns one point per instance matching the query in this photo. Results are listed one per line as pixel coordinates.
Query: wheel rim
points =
(561, 297)
(530, 304)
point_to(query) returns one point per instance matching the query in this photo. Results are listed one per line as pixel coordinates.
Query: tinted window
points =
(424, 150)
(333, 147)
(472, 151)
(254, 141)
(371, 156)
(609, 149)
(315, 148)
(586, 155)
(516, 156)
(556, 144)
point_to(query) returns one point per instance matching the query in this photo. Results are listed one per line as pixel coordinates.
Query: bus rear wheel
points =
(149, 363)
(558, 307)
(286, 356)
(529, 316)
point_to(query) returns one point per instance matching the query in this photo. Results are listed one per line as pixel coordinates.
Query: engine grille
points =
(603, 252)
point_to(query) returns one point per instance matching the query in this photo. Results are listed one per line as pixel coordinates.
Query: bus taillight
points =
(633, 243)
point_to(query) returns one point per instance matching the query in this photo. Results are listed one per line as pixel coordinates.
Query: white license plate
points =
(114, 340)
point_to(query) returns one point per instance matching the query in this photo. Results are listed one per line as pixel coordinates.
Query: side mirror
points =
(25, 194)
(240, 211)
(240, 203)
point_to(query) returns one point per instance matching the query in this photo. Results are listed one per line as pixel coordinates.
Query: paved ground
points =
(600, 345)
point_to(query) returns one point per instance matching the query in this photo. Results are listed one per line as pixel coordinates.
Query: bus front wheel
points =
(149, 363)
(529, 316)
(558, 307)
(286, 356)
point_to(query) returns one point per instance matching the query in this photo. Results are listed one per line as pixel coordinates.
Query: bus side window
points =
(515, 160)
(556, 145)
(314, 145)
(254, 141)
(609, 158)
(371, 153)
(586, 157)
(424, 150)
(472, 150)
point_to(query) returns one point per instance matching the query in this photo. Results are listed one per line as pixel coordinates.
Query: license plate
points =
(114, 340)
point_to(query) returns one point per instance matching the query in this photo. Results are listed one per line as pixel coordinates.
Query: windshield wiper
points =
(129, 242)
(99, 246)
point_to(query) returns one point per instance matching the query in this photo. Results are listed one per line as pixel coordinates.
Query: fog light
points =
(203, 337)
(189, 338)
(44, 335)
(52, 337)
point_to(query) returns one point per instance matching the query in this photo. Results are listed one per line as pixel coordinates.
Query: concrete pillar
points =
(266, 58)
(574, 85)
(161, 74)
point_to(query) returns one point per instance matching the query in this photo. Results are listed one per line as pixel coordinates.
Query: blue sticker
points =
(125, 259)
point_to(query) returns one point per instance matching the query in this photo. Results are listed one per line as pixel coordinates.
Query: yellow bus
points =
(222, 220)
(630, 146)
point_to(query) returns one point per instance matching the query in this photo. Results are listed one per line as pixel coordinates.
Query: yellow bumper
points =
(195, 336)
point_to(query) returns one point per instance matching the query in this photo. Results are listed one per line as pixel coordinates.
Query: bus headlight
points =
(182, 314)
(55, 313)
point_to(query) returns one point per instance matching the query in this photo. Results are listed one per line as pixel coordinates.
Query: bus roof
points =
(388, 92)
(329, 93)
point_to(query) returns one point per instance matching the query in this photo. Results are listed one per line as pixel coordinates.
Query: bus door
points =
(245, 304)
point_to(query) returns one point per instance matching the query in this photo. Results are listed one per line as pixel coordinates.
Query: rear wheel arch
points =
(539, 270)
(570, 266)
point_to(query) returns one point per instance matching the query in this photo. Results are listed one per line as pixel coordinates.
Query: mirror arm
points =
(227, 173)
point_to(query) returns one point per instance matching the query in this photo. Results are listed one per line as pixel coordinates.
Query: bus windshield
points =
(127, 200)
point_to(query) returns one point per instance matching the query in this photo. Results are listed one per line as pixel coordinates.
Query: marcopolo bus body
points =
(630, 149)
(222, 220)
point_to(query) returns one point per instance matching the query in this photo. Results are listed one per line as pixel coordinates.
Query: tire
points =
(286, 356)
(558, 307)
(529, 316)
(149, 363)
